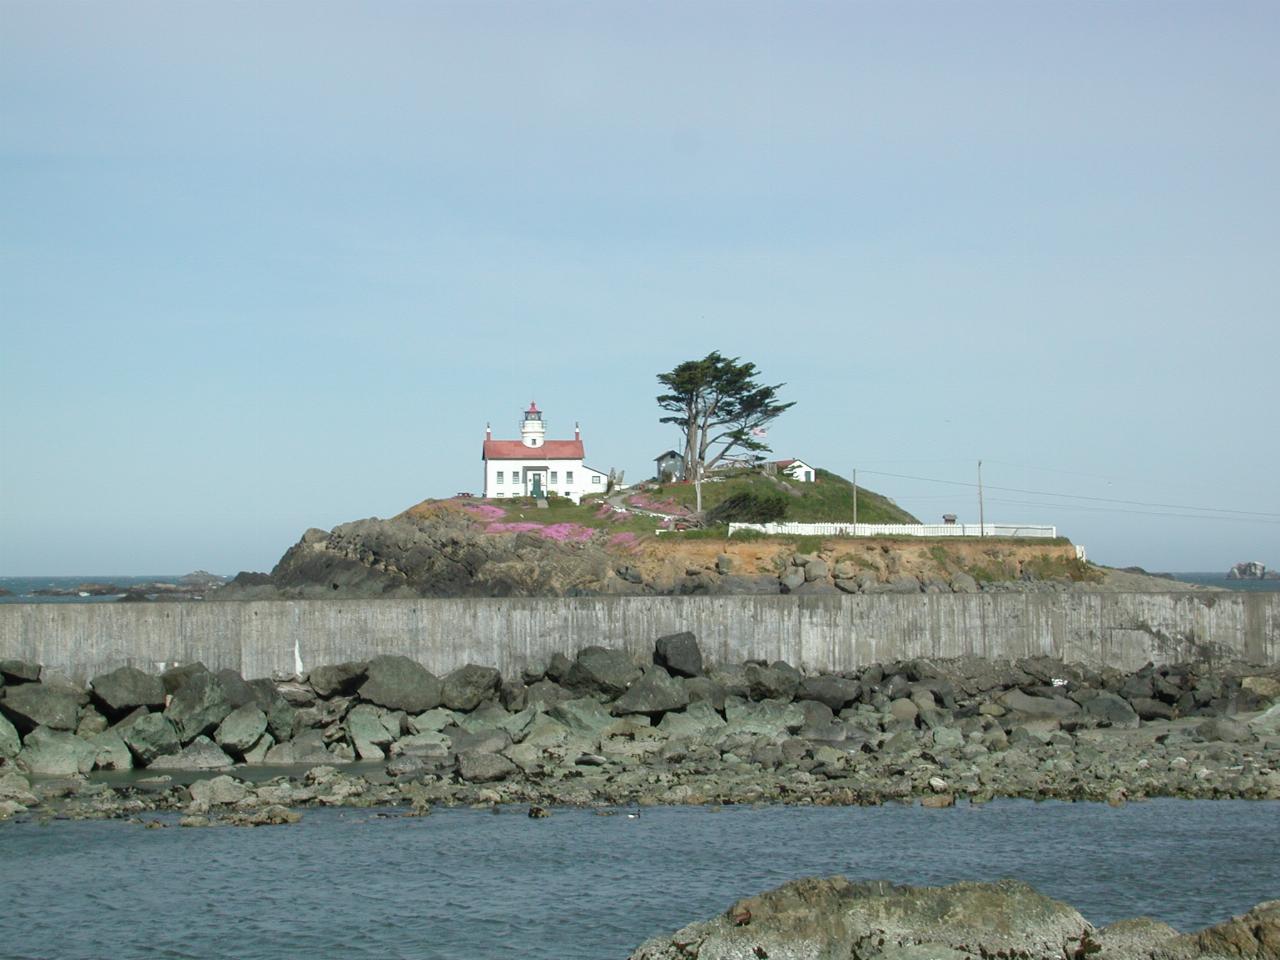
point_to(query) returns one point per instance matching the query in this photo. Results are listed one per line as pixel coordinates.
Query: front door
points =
(537, 486)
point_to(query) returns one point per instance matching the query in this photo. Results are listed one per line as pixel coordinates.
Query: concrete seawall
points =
(1122, 630)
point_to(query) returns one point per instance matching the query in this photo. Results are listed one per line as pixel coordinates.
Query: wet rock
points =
(32, 705)
(680, 654)
(274, 815)
(150, 736)
(467, 687)
(598, 670)
(399, 683)
(200, 754)
(120, 691)
(1253, 936)
(50, 752)
(338, 679)
(654, 693)
(198, 706)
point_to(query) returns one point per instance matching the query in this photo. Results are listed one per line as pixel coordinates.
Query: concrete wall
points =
(826, 632)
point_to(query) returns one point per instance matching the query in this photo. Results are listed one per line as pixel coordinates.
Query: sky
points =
(274, 266)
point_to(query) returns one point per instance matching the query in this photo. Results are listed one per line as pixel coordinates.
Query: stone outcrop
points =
(832, 917)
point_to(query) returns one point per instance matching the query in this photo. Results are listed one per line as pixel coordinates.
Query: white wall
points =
(582, 478)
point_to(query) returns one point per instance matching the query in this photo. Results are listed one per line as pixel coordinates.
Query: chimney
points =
(488, 432)
(577, 433)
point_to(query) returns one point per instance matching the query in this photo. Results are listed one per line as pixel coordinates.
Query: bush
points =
(749, 507)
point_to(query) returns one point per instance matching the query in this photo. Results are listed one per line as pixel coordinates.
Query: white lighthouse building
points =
(534, 466)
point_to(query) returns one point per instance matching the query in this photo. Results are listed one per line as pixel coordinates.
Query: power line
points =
(1076, 496)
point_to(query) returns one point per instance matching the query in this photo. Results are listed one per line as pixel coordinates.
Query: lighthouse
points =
(534, 466)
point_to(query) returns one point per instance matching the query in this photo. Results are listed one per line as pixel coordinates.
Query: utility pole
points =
(855, 501)
(982, 517)
(697, 486)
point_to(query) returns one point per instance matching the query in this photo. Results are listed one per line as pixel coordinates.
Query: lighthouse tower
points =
(533, 431)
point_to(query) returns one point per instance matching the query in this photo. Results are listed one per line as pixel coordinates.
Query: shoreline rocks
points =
(604, 727)
(832, 917)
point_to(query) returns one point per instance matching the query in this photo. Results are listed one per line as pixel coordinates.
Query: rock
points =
(545, 693)
(704, 689)
(218, 791)
(56, 753)
(14, 786)
(112, 753)
(306, 747)
(426, 744)
(280, 713)
(399, 683)
(31, 705)
(201, 754)
(1149, 709)
(655, 692)
(584, 717)
(947, 738)
(1266, 688)
(699, 720)
(338, 679)
(832, 917)
(1224, 730)
(1056, 708)
(198, 706)
(10, 743)
(258, 752)
(963, 583)
(1268, 723)
(122, 690)
(241, 729)
(600, 670)
(904, 709)
(476, 767)
(836, 692)
(274, 815)
(150, 736)
(792, 580)
(1254, 936)
(1112, 709)
(432, 720)
(769, 717)
(778, 681)
(366, 731)
(467, 687)
(680, 654)
(816, 570)
(175, 677)
(19, 671)
(295, 694)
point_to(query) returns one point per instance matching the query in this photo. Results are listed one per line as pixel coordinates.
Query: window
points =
(501, 494)
(595, 478)
(553, 476)
(499, 480)
(568, 476)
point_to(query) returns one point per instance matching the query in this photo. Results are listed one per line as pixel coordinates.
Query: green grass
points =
(828, 500)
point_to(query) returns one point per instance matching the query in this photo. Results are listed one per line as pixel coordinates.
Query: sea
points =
(22, 589)
(469, 884)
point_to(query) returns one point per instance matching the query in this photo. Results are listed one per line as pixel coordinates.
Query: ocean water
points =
(21, 589)
(464, 884)
(1220, 580)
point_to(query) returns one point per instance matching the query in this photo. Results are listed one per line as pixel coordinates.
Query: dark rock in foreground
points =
(833, 918)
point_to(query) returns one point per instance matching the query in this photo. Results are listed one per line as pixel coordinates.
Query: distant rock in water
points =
(1251, 570)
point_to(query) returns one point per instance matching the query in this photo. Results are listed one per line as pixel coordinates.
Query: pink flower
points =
(485, 511)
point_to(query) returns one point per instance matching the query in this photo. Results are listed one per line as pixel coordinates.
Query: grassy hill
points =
(828, 500)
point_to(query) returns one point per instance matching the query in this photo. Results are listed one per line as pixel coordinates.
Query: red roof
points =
(784, 463)
(547, 450)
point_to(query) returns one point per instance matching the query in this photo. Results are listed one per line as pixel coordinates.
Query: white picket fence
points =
(900, 529)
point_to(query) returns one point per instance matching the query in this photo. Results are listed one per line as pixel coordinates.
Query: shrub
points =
(749, 507)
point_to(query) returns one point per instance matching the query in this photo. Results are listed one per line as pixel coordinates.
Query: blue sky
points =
(272, 266)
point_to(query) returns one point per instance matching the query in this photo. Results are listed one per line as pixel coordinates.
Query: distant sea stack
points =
(1252, 570)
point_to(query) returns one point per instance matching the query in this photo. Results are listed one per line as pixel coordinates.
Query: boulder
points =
(306, 747)
(31, 705)
(19, 671)
(602, 671)
(704, 689)
(778, 681)
(10, 743)
(815, 570)
(585, 717)
(339, 679)
(56, 753)
(112, 752)
(698, 721)
(476, 767)
(198, 706)
(1150, 709)
(963, 583)
(1053, 708)
(258, 752)
(241, 729)
(770, 718)
(218, 791)
(1224, 730)
(836, 692)
(367, 733)
(279, 711)
(1112, 709)
(120, 691)
(679, 653)
(150, 736)
(1267, 723)
(399, 683)
(655, 692)
(545, 693)
(175, 677)
(468, 687)
(200, 754)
